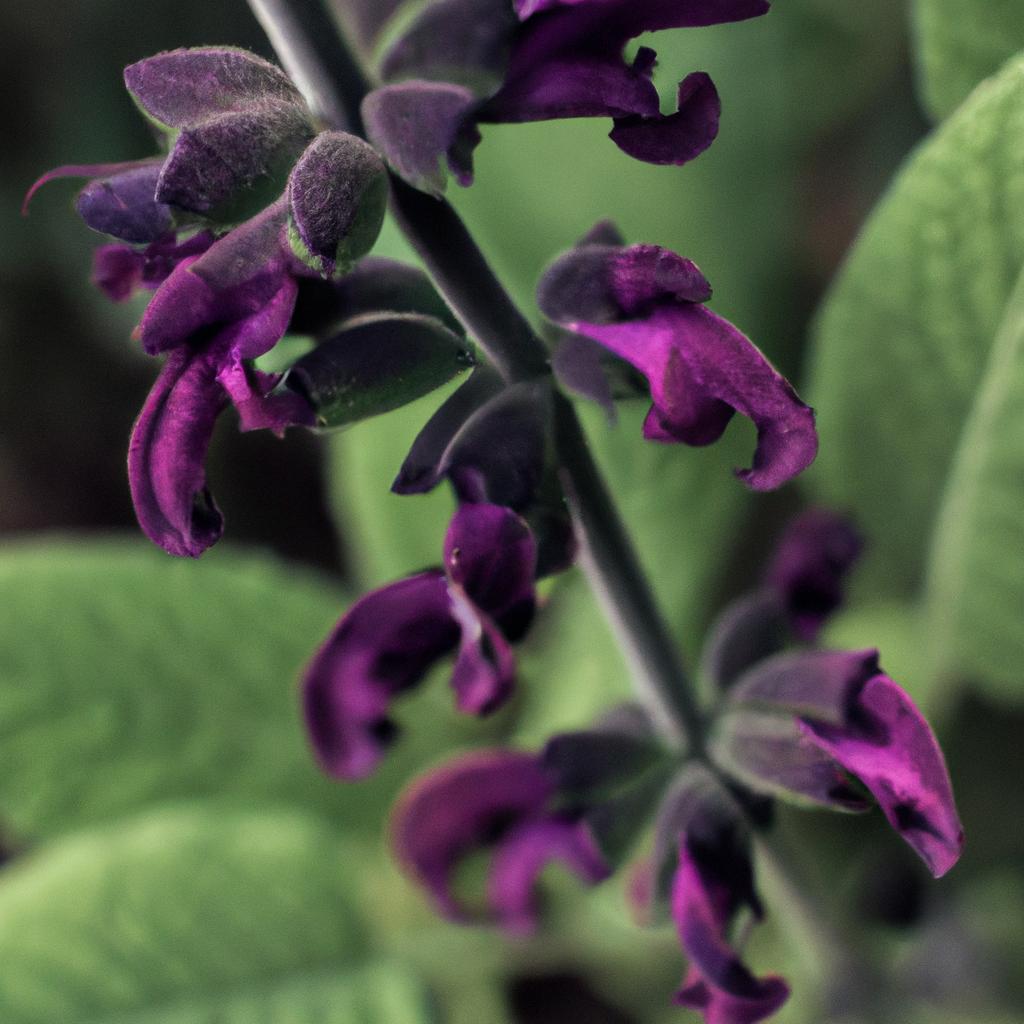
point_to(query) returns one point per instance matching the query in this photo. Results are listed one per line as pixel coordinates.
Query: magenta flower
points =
(385, 644)
(710, 886)
(462, 63)
(501, 799)
(646, 305)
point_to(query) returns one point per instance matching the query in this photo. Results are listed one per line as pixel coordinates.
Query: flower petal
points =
(701, 369)
(523, 854)
(490, 554)
(118, 270)
(167, 452)
(889, 746)
(259, 406)
(422, 127)
(466, 803)
(810, 566)
(484, 672)
(709, 885)
(383, 645)
(241, 275)
(673, 138)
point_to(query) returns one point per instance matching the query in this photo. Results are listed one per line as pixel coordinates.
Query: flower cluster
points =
(463, 63)
(792, 721)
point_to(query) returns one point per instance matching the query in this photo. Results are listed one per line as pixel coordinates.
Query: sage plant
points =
(258, 217)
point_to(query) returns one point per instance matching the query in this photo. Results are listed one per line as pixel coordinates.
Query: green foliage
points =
(959, 43)
(976, 587)
(905, 338)
(190, 914)
(129, 678)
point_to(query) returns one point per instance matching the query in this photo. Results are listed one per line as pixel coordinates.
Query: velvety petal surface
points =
(181, 88)
(673, 138)
(701, 370)
(382, 646)
(167, 452)
(524, 853)
(490, 554)
(485, 669)
(888, 745)
(465, 804)
(241, 275)
(422, 128)
(810, 566)
(119, 270)
(718, 983)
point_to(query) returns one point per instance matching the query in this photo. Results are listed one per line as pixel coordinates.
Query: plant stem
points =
(312, 50)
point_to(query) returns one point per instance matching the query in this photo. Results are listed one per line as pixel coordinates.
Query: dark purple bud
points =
(699, 367)
(167, 452)
(674, 138)
(748, 630)
(810, 567)
(182, 88)
(388, 640)
(770, 754)
(374, 285)
(638, 16)
(337, 197)
(712, 881)
(376, 364)
(384, 645)
(214, 167)
(497, 798)
(423, 127)
(886, 742)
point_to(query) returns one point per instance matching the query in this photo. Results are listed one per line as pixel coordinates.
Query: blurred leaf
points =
(959, 44)
(976, 583)
(127, 677)
(188, 914)
(904, 338)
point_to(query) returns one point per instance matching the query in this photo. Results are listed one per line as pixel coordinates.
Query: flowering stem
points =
(318, 60)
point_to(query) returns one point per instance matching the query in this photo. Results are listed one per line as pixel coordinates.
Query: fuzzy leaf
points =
(976, 588)
(192, 915)
(959, 44)
(905, 338)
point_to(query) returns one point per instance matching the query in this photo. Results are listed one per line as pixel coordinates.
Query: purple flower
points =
(120, 270)
(466, 62)
(501, 799)
(385, 644)
(711, 883)
(847, 710)
(645, 304)
(809, 567)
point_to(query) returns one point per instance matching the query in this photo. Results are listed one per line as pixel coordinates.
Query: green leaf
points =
(904, 338)
(376, 364)
(127, 678)
(976, 584)
(191, 915)
(959, 43)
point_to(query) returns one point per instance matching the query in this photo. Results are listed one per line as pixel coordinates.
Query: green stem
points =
(334, 84)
